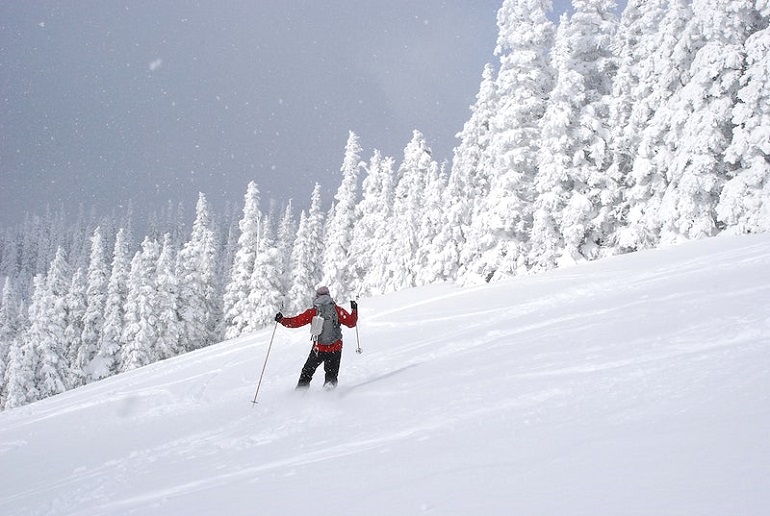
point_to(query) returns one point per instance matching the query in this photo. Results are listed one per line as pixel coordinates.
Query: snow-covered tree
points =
(168, 325)
(450, 239)
(96, 296)
(338, 272)
(20, 384)
(107, 360)
(78, 357)
(236, 315)
(676, 43)
(470, 178)
(48, 321)
(701, 125)
(744, 203)
(644, 44)
(427, 261)
(287, 232)
(412, 178)
(10, 330)
(265, 296)
(575, 197)
(307, 255)
(140, 329)
(500, 231)
(373, 214)
(195, 276)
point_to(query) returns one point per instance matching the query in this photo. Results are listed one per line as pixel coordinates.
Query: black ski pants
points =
(331, 362)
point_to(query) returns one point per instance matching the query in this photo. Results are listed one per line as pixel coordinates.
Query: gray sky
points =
(105, 101)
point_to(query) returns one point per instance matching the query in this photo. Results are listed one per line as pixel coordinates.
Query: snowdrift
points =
(635, 385)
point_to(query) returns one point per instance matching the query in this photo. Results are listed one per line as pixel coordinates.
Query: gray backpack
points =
(325, 327)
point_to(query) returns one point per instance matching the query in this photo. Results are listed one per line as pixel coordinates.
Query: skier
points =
(327, 340)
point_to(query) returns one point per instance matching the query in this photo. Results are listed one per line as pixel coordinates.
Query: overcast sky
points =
(104, 101)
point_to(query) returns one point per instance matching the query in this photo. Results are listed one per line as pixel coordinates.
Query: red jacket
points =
(348, 319)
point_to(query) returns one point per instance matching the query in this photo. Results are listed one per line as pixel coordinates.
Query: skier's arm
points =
(348, 319)
(299, 320)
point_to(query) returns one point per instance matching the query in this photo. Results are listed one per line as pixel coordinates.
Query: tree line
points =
(593, 136)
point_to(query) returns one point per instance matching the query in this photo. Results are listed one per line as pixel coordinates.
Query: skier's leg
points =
(332, 368)
(311, 364)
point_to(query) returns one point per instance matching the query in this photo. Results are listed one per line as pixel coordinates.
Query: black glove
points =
(353, 305)
(278, 317)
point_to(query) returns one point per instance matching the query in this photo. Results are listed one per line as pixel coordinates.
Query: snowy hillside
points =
(634, 385)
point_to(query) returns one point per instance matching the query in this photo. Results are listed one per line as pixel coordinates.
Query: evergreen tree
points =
(676, 47)
(265, 296)
(107, 359)
(744, 204)
(229, 243)
(373, 214)
(551, 184)
(635, 97)
(576, 197)
(9, 332)
(338, 265)
(428, 266)
(140, 331)
(196, 269)
(409, 196)
(287, 232)
(48, 321)
(702, 121)
(96, 295)
(307, 255)
(498, 237)
(9, 256)
(235, 299)
(20, 386)
(470, 180)
(78, 357)
(450, 240)
(168, 325)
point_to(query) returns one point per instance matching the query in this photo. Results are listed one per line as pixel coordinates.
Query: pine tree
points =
(20, 385)
(168, 324)
(674, 44)
(235, 310)
(196, 268)
(9, 332)
(307, 255)
(96, 295)
(572, 219)
(744, 203)
(338, 271)
(48, 321)
(428, 266)
(373, 214)
(408, 202)
(470, 179)
(78, 357)
(643, 47)
(107, 360)
(702, 121)
(265, 296)
(287, 232)
(500, 231)
(140, 332)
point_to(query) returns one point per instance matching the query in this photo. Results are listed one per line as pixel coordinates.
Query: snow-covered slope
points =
(635, 385)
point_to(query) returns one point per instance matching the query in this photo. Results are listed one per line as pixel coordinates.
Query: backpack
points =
(325, 327)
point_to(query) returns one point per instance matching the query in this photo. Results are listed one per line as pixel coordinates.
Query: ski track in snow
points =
(635, 385)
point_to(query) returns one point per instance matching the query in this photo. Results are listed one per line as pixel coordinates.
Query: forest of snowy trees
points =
(591, 137)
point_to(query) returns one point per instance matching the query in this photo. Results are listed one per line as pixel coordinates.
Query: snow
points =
(633, 385)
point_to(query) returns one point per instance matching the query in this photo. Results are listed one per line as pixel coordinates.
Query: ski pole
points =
(265, 364)
(358, 341)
